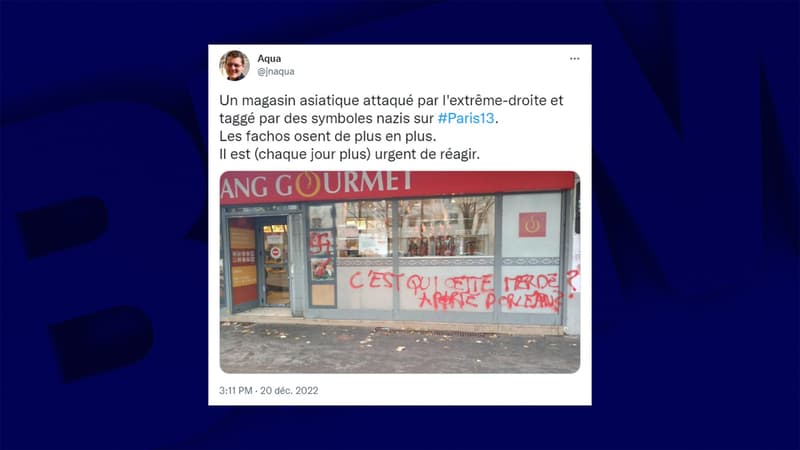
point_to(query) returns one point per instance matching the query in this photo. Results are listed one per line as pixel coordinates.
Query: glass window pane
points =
(364, 228)
(320, 216)
(454, 226)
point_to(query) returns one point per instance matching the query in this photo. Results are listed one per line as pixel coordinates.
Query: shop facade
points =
(459, 247)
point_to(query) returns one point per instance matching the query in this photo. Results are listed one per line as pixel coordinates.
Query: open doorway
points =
(274, 262)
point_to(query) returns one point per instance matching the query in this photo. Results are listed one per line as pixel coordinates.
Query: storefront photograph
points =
(462, 249)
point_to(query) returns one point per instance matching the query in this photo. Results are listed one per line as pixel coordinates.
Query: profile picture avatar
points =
(234, 65)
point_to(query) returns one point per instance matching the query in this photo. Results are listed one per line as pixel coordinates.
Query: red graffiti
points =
(449, 300)
(527, 291)
(376, 279)
(319, 270)
(526, 282)
(490, 301)
(319, 243)
(540, 300)
(571, 275)
(419, 283)
(530, 292)
(534, 300)
(353, 278)
(547, 281)
(384, 279)
(469, 283)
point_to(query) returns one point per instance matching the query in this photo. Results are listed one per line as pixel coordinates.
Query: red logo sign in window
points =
(532, 224)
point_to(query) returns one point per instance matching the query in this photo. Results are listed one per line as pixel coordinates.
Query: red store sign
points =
(533, 224)
(242, 188)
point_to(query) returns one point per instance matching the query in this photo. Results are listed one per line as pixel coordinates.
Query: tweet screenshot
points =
(399, 225)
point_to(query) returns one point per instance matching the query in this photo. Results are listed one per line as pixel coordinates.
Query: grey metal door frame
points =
(296, 261)
(261, 257)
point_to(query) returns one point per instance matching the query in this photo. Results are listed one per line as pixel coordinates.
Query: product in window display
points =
(445, 246)
(322, 269)
(413, 248)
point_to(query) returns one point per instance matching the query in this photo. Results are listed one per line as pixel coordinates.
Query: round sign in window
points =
(275, 252)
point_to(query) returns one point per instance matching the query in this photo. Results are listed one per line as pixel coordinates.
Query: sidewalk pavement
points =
(304, 348)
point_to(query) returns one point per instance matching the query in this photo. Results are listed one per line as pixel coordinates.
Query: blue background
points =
(695, 135)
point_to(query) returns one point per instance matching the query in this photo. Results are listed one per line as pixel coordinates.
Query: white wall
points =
(513, 206)
(364, 296)
(446, 288)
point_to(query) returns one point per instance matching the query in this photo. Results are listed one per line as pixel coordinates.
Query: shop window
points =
(453, 226)
(364, 229)
(321, 248)
(320, 216)
(322, 255)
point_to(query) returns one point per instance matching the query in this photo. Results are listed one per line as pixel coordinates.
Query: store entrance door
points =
(274, 262)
